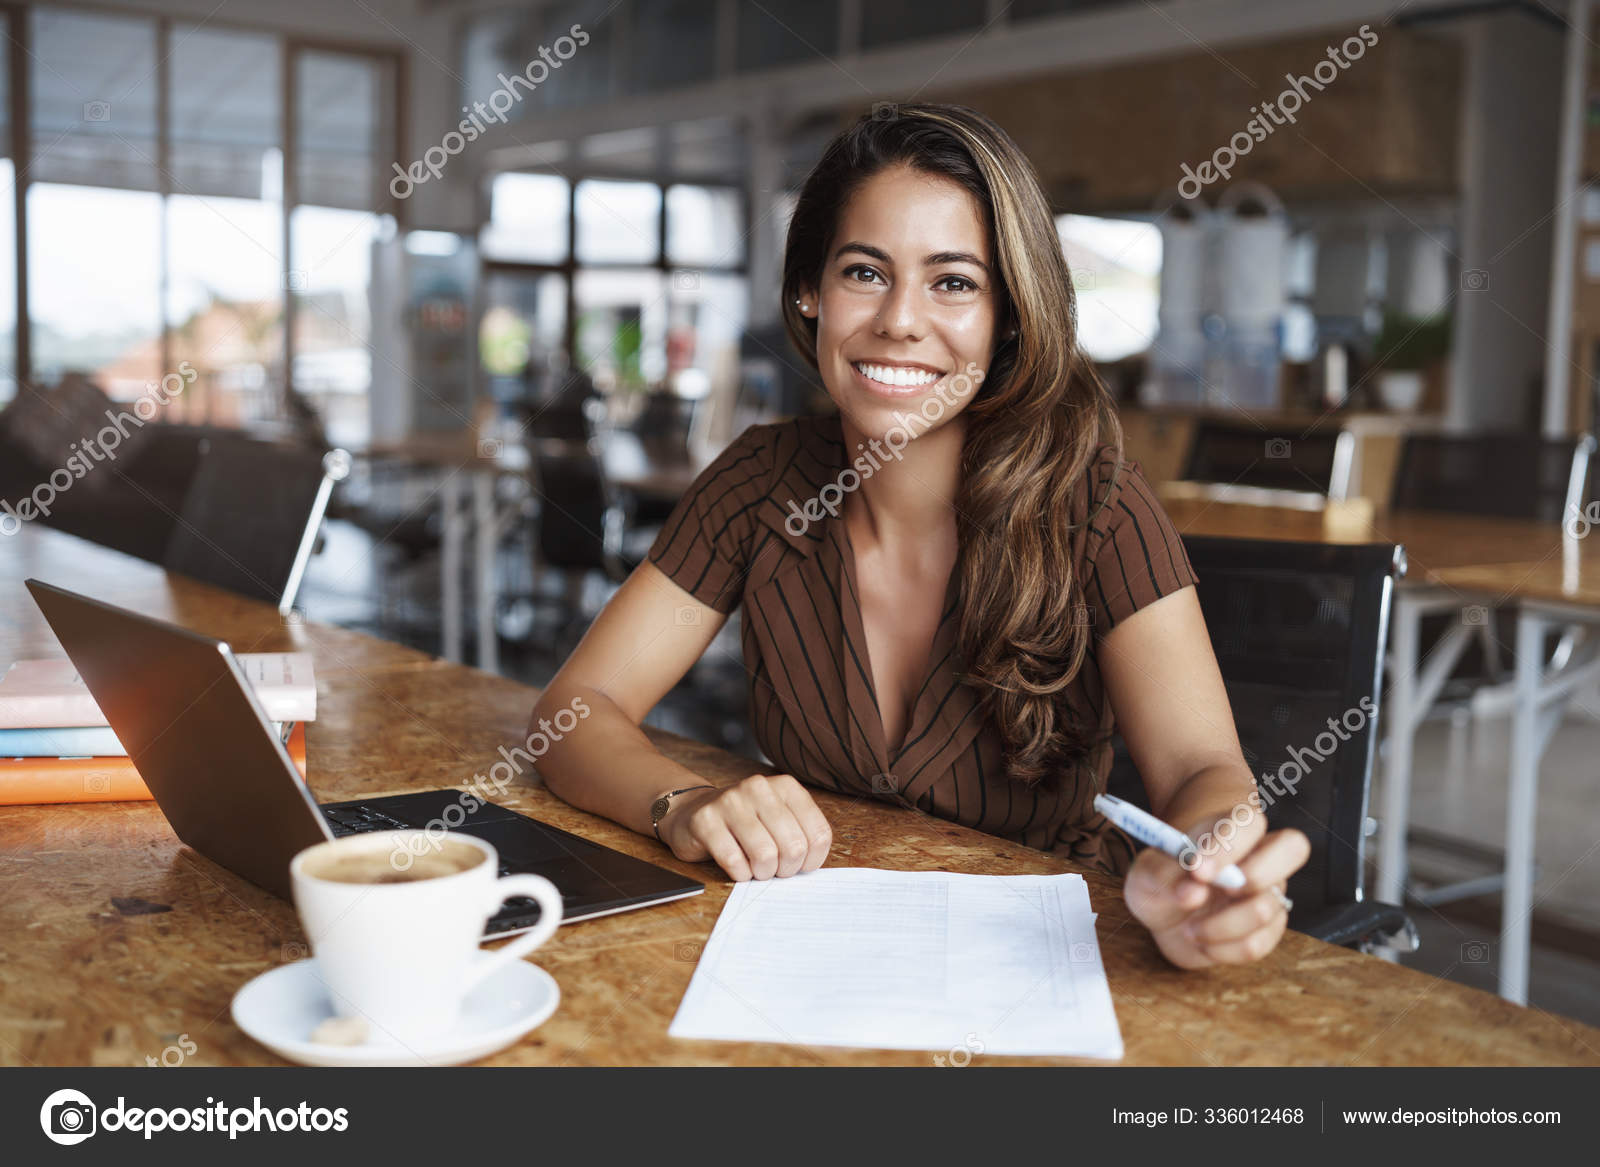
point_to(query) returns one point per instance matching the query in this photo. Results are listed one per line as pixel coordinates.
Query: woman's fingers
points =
(1275, 859)
(1237, 920)
(712, 833)
(787, 836)
(813, 824)
(1253, 945)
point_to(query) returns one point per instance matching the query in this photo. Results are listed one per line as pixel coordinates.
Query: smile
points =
(897, 376)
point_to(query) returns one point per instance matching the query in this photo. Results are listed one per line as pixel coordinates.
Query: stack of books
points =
(55, 745)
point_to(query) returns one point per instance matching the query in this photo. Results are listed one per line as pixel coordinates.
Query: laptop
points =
(197, 735)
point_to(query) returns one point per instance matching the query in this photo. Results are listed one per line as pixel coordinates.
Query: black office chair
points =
(1270, 458)
(252, 514)
(1299, 631)
(1513, 476)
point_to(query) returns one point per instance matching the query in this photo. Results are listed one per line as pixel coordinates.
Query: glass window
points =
(92, 85)
(618, 222)
(1116, 273)
(225, 109)
(8, 239)
(523, 329)
(527, 219)
(705, 321)
(94, 285)
(705, 225)
(330, 287)
(621, 327)
(805, 33)
(341, 112)
(225, 305)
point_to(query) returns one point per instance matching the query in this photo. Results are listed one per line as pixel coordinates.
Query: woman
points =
(953, 589)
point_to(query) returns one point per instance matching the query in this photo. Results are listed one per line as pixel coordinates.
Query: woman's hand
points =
(1197, 925)
(766, 825)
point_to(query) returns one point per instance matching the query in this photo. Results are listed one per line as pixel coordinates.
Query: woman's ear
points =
(805, 299)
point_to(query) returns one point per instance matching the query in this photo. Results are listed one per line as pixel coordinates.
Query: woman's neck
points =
(910, 498)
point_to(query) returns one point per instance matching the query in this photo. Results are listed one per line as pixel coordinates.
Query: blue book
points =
(88, 741)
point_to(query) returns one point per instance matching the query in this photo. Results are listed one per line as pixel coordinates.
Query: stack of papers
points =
(961, 965)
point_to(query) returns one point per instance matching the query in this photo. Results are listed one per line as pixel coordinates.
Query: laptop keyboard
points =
(517, 912)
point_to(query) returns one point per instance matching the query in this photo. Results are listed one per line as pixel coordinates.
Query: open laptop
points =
(197, 735)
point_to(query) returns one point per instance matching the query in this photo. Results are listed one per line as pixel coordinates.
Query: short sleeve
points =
(704, 547)
(1135, 555)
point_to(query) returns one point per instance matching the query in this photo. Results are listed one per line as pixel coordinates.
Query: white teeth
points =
(898, 377)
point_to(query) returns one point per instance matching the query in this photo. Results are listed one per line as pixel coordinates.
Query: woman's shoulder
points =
(767, 456)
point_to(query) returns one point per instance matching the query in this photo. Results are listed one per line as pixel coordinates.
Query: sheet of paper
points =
(956, 964)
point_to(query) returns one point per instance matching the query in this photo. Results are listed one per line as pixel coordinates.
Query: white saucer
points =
(280, 1008)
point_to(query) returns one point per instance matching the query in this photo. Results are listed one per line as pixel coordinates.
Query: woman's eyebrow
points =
(867, 249)
(934, 259)
(938, 258)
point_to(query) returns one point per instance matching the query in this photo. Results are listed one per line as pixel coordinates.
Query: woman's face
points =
(906, 303)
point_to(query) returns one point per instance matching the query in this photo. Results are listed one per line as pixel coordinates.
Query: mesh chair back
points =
(1268, 458)
(575, 506)
(251, 515)
(1298, 630)
(1513, 476)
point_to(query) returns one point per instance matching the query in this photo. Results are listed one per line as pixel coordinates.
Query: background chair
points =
(1513, 476)
(1299, 630)
(251, 516)
(1268, 458)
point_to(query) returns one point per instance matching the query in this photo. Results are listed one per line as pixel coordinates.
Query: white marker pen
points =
(1168, 840)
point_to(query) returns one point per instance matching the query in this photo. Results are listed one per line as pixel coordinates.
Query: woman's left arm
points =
(1172, 710)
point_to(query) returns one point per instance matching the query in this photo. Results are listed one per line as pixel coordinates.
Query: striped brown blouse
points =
(740, 536)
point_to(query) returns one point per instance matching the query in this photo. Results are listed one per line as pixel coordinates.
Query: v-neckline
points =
(855, 630)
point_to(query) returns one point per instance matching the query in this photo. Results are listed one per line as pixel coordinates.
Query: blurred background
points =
(521, 262)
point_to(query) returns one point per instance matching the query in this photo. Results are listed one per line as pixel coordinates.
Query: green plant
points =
(1411, 342)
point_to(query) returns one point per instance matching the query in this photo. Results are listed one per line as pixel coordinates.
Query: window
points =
(154, 200)
(618, 222)
(1116, 274)
(528, 218)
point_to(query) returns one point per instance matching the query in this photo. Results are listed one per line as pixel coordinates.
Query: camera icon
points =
(686, 950)
(1084, 280)
(1083, 614)
(490, 448)
(1278, 447)
(687, 616)
(294, 281)
(1474, 280)
(685, 281)
(293, 951)
(885, 111)
(1580, 523)
(97, 111)
(1082, 952)
(294, 616)
(884, 784)
(1475, 952)
(97, 784)
(68, 1117)
(1474, 615)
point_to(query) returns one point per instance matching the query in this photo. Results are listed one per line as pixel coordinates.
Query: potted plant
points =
(1405, 348)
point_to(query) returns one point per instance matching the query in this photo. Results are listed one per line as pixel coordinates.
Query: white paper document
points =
(957, 964)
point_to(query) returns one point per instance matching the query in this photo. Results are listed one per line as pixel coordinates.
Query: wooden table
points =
(117, 942)
(1557, 590)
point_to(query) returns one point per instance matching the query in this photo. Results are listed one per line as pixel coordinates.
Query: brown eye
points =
(861, 273)
(956, 284)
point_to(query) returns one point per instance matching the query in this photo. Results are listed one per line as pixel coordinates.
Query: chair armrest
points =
(1365, 925)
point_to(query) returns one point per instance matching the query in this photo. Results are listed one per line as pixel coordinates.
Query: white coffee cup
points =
(404, 955)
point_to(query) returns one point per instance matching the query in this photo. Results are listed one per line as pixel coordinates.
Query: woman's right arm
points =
(641, 645)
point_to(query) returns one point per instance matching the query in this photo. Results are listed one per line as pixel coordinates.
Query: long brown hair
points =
(1033, 428)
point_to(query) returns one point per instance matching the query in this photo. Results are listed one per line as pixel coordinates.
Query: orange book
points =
(38, 780)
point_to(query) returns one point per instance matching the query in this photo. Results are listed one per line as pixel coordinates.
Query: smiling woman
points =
(982, 589)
